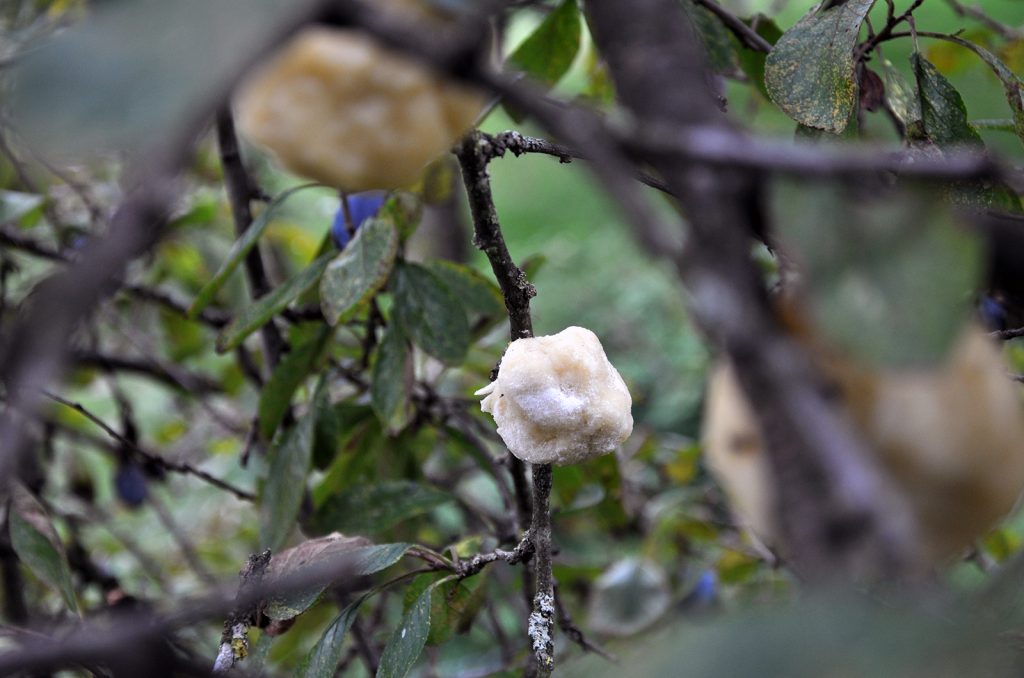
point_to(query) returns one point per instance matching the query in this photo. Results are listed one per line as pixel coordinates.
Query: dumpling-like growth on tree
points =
(557, 399)
(949, 438)
(335, 106)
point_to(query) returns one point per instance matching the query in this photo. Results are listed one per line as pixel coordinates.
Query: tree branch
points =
(746, 35)
(517, 292)
(169, 375)
(240, 188)
(837, 514)
(155, 459)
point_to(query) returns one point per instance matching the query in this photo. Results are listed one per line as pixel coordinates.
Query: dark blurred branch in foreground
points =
(34, 351)
(121, 639)
(837, 515)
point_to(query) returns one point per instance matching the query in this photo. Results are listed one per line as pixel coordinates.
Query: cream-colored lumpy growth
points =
(335, 106)
(557, 399)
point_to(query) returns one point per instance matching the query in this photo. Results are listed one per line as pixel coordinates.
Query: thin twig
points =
(170, 375)
(573, 632)
(978, 14)
(747, 35)
(166, 464)
(239, 186)
(11, 238)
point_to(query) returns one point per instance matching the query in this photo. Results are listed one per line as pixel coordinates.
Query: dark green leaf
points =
(286, 478)
(37, 545)
(720, 45)
(903, 99)
(276, 395)
(810, 71)
(319, 559)
(430, 314)
(322, 660)
(135, 72)
(888, 276)
(238, 252)
(477, 293)
(1012, 85)
(355, 461)
(266, 307)
(751, 61)
(407, 640)
(942, 108)
(369, 509)
(405, 209)
(360, 270)
(550, 50)
(353, 556)
(392, 381)
(449, 602)
(335, 425)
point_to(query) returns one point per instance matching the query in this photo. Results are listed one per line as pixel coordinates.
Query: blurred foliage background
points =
(643, 537)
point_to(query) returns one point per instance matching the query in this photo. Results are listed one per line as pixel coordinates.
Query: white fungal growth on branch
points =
(557, 399)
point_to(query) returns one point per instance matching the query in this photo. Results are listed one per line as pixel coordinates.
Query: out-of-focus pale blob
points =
(557, 399)
(335, 106)
(951, 439)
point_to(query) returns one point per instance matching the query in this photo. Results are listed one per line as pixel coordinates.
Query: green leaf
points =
(371, 559)
(319, 559)
(374, 508)
(133, 73)
(449, 603)
(1013, 86)
(276, 395)
(752, 62)
(720, 46)
(405, 210)
(430, 314)
(289, 465)
(392, 381)
(322, 660)
(407, 640)
(889, 275)
(266, 307)
(335, 426)
(15, 205)
(360, 270)
(810, 72)
(942, 108)
(996, 124)
(477, 293)
(550, 50)
(902, 98)
(37, 545)
(238, 252)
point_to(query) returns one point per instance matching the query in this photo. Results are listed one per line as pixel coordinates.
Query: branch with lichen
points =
(517, 292)
(234, 641)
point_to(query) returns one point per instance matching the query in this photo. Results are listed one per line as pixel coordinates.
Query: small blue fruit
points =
(361, 206)
(992, 312)
(130, 483)
(704, 593)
